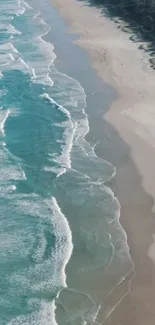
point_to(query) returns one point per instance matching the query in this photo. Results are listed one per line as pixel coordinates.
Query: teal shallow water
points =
(53, 201)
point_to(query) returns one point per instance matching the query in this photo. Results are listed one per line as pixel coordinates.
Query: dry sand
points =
(119, 62)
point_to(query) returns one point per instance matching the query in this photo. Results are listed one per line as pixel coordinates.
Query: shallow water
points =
(54, 201)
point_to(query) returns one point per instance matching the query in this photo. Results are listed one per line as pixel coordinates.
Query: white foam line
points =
(24, 63)
(78, 131)
(23, 173)
(13, 30)
(48, 81)
(113, 174)
(95, 305)
(59, 222)
(3, 122)
(33, 73)
(11, 58)
(60, 107)
(62, 172)
(113, 250)
(37, 14)
(54, 170)
(27, 5)
(47, 45)
(45, 32)
(122, 279)
(116, 219)
(69, 138)
(68, 148)
(7, 46)
(114, 168)
(6, 189)
(80, 293)
(119, 302)
(22, 8)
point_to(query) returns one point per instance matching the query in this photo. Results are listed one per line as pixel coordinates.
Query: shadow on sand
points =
(137, 16)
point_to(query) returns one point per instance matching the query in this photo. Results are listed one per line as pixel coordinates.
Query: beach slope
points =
(119, 62)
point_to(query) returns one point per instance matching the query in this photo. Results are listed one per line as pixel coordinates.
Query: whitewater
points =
(52, 184)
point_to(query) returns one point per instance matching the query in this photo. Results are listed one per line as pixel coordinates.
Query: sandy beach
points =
(120, 63)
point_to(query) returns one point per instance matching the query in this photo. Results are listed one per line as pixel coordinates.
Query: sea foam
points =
(3, 117)
(42, 232)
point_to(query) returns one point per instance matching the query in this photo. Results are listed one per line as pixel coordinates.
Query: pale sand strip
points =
(118, 61)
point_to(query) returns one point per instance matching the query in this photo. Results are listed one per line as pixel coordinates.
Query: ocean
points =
(59, 221)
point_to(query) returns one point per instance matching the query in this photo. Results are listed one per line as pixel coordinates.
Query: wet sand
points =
(119, 62)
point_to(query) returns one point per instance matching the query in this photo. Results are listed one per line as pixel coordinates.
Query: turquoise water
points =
(53, 200)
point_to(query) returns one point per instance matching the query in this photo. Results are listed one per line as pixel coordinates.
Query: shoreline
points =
(115, 74)
(133, 124)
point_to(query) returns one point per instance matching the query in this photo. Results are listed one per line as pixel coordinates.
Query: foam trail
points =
(10, 8)
(6, 189)
(23, 174)
(6, 59)
(27, 5)
(59, 171)
(43, 310)
(39, 64)
(62, 228)
(42, 70)
(33, 73)
(70, 127)
(60, 107)
(17, 64)
(2, 122)
(10, 169)
(45, 53)
(37, 14)
(22, 9)
(7, 47)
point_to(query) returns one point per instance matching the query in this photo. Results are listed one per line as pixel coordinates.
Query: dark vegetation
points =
(139, 15)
